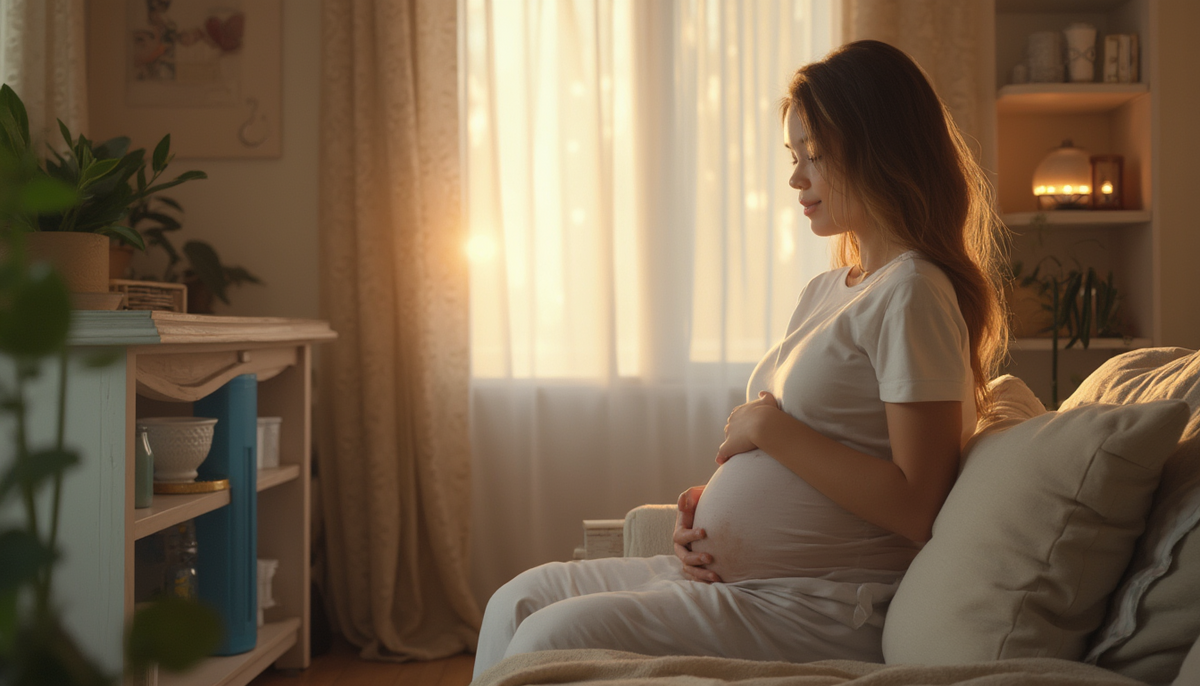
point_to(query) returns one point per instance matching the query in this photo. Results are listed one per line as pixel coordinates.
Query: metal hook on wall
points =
(254, 131)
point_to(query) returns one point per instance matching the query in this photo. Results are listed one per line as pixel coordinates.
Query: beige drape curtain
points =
(953, 41)
(394, 453)
(43, 58)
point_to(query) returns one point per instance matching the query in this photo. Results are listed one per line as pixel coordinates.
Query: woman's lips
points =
(810, 207)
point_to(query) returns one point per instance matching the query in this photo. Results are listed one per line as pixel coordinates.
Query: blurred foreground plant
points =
(35, 319)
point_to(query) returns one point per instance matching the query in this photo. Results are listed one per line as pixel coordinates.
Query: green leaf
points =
(44, 195)
(22, 557)
(130, 165)
(124, 234)
(104, 209)
(113, 148)
(83, 152)
(31, 470)
(66, 134)
(96, 171)
(141, 180)
(174, 633)
(207, 266)
(161, 151)
(186, 176)
(1085, 310)
(11, 142)
(10, 103)
(38, 316)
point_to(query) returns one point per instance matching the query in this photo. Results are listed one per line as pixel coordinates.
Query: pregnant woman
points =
(832, 473)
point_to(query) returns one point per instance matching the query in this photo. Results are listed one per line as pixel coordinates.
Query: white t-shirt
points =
(896, 337)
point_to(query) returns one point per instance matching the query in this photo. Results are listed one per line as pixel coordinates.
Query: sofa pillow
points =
(1154, 616)
(1033, 537)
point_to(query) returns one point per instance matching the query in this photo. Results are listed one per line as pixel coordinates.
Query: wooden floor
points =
(342, 667)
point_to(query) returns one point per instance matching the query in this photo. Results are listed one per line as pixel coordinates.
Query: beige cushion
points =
(1033, 537)
(1155, 614)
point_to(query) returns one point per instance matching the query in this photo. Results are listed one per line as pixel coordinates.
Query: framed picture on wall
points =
(208, 73)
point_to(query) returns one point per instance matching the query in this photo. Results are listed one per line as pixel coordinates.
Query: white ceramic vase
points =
(1081, 52)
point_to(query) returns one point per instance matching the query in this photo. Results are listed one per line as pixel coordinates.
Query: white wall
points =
(262, 214)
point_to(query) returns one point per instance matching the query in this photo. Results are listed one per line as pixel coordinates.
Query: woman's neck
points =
(874, 251)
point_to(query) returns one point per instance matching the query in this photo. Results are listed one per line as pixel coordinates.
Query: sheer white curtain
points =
(634, 249)
(43, 57)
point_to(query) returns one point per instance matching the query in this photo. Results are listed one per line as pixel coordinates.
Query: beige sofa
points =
(1067, 553)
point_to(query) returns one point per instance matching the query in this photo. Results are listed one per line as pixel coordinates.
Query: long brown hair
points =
(883, 135)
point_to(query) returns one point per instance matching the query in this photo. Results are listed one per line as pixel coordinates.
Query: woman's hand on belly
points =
(742, 424)
(685, 535)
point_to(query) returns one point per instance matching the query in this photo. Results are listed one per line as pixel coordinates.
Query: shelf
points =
(274, 476)
(1066, 98)
(274, 639)
(1022, 344)
(173, 509)
(1078, 218)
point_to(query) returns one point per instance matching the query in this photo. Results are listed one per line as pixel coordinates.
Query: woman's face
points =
(830, 211)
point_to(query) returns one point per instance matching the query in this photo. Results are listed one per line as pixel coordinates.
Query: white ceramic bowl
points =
(179, 445)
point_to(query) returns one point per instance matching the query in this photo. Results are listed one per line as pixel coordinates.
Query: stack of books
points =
(1121, 58)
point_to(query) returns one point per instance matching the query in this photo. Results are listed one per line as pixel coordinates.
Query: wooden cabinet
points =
(1102, 118)
(169, 361)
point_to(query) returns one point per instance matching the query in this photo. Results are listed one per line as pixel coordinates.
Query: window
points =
(627, 184)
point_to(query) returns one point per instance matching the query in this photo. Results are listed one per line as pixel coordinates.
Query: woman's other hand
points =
(742, 425)
(685, 535)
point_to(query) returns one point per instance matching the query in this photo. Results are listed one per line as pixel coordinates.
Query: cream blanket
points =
(628, 669)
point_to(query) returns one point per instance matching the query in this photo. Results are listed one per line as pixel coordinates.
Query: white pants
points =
(646, 605)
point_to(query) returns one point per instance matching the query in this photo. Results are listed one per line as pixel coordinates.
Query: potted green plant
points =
(1077, 303)
(109, 178)
(196, 263)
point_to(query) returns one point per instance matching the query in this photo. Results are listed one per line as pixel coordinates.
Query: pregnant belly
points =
(762, 522)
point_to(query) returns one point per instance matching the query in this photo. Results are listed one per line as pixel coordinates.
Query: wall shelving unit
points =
(1102, 118)
(170, 361)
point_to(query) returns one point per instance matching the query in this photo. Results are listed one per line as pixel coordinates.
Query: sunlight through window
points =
(629, 208)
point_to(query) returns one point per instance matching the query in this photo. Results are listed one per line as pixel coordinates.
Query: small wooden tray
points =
(184, 487)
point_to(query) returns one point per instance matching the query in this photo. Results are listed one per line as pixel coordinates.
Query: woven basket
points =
(151, 295)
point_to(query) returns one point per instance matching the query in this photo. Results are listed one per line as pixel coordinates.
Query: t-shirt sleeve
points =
(921, 353)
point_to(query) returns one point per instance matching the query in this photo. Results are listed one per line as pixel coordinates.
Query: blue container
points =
(227, 538)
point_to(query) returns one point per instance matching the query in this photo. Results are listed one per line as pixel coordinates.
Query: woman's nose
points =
(798, 181)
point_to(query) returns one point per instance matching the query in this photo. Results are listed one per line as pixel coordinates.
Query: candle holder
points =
(1107, 182)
